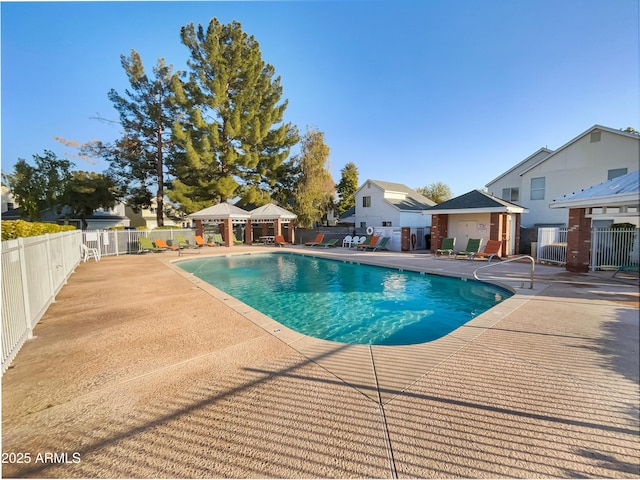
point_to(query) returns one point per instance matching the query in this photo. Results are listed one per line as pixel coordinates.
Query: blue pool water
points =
(346, 302)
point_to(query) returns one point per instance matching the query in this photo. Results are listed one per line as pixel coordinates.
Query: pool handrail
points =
(533, 262)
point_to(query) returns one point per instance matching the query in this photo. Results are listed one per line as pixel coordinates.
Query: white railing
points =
(505, 277)
(609, 247)
(34, 269)
(615, 248)
(121, 242)
(552, 245)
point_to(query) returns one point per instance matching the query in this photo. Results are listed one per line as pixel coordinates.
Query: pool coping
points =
(370, 369)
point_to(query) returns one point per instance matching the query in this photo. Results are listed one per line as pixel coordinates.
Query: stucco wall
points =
(578, 166)
(466, 226)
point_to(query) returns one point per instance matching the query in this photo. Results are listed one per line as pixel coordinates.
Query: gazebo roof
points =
(271, 212)
(220, 212)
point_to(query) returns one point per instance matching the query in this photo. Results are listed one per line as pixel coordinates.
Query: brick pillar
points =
(578, 241)
(277, 227)
(199, 228)
(248, 233)
(439, 230)
(227, 232)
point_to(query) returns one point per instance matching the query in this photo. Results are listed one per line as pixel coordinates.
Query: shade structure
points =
(220, 213)
(270, 212)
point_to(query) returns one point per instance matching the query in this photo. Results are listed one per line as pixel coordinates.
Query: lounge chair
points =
(217, 239)
(183, 242)
(346, 241)
(369, 240)
(89, 252)
(317, 241)
(201, 243)
(473, 245)
(330, 243)
(236, 241)
(447, 247)
(490, 251)
(280, 241)
(148, 246)
(381, 245)
(164, 245)
(357, 241)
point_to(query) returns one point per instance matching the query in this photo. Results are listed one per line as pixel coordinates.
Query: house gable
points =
(594, 156)
(393, 204)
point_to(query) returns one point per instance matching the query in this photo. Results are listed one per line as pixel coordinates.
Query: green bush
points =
(12, 229)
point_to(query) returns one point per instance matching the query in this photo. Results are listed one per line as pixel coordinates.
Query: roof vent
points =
(595, 136)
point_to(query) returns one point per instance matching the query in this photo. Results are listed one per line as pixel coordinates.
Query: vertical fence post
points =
(25, 287)
(49, 266)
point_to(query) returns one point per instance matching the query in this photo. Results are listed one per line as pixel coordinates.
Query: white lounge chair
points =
(346, 241)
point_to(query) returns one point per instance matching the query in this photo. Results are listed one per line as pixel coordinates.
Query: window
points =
(363, 225)
(511, 194)
(616, 172)
(366, 201)
(386, 224)
(537, 188)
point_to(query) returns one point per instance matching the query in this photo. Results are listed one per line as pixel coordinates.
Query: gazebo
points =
(272, 213)
(225, 214)
(228, 215)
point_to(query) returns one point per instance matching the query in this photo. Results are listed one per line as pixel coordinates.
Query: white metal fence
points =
(609, 247)
(615, 248)
(34, 269)
(552, 245)
(121, 242)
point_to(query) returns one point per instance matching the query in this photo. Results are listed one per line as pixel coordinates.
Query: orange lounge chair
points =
(280, 241)
(370, 241)
(317, 241)
(201, 243)
(491, 250)
(163, 244)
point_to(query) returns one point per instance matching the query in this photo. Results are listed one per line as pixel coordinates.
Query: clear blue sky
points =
(412, 92)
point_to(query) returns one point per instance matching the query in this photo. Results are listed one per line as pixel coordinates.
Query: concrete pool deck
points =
(140, 370)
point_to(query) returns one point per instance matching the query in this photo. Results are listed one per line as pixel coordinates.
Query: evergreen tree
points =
(315, 190)
(231, 134)
(347, 188)
(138, 159)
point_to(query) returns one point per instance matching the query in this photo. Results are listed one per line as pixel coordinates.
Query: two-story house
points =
(386, 204)
(386, 208)
(596, 155)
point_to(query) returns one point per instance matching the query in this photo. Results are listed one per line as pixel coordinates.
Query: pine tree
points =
(315, 190)
(147, 113)
(231, 133)
(347, 188)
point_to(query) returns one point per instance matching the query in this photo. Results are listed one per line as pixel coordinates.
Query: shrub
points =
(12, 229)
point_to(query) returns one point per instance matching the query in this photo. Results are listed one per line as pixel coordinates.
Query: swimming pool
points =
(348, 302)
